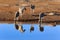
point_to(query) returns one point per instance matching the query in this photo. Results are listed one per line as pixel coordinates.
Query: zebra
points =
(19, 12)
(19, 27)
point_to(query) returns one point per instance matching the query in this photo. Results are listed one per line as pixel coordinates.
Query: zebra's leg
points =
(16, 16)
(41, 28)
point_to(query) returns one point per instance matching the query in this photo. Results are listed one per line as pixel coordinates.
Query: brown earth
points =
(8, 8)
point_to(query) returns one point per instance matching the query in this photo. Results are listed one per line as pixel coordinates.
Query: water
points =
(8, 32)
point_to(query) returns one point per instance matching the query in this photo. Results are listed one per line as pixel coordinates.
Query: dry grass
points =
(8, 12)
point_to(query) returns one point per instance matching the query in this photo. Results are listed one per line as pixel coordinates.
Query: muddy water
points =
(8, 32)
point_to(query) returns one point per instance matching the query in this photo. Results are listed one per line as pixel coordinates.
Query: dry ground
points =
(9, 7)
